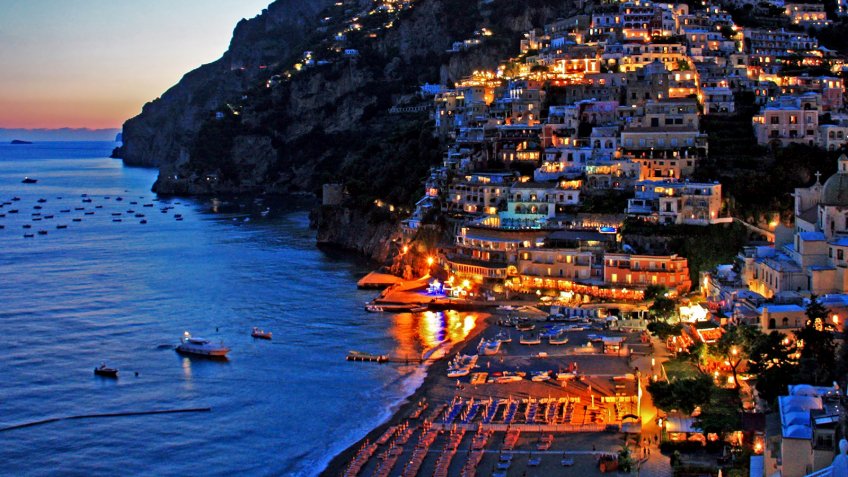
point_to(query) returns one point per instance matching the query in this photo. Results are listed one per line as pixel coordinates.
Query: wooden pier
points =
(367, 357)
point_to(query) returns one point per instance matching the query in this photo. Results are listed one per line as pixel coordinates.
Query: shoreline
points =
(429, 386)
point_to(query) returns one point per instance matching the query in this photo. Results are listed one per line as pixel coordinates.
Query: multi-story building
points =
(677, 202)
(641, 271)
(479, 193)
(789, 119)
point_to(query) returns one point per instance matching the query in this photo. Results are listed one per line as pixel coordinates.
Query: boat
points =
(42, 232)
(86, 200)
(503, 336)
(27, 226)
(138, 216)
(61, 226)
(530, 339)
(76, 219)
(201, 347)
(65, 211)
(13, 211)
(540, 376)
(15, 199)
(29, 235)
(462, 365)
(37, 207)
(143, 222)
(90, 212)
(509, 377)
(373, 308)
(41, 200)
(525, 325)
(559, 339)
(262, 334)
(29, 180)
(489, 347)
(418, 309)
(106, 371)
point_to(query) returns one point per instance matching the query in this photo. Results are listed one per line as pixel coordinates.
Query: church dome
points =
(835, 190)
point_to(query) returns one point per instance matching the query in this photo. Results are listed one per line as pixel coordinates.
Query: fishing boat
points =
(106, 371)
(525, 325)
(489, 347)
(61, 226)
(503, 336)
(201, 347)
(261, 334)
(559, 339)
(530, 339)
(29, 180)
(41, 200)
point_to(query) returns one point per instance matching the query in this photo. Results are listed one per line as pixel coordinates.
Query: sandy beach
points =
(603, 394)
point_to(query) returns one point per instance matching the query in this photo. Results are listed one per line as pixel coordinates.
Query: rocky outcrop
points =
(354, 230)
(163, 133)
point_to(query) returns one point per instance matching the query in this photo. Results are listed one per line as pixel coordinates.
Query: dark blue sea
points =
(124, 292)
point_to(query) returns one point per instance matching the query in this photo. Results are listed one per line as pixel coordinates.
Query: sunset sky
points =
(94, 63)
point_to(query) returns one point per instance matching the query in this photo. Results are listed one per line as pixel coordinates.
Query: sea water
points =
(123, 293)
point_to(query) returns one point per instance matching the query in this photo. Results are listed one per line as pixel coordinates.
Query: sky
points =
(94, 63)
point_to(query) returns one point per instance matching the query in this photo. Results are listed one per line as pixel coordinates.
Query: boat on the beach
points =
(370, 307)
(503, 336)
(525, 325)
(488, 347)
(559, 339)
(540, 376)
(29, 180)
(462, 365)
(106, 371)
(419, 309)
(530, 339)
(201, 347)
(509, 377)
(261, 334)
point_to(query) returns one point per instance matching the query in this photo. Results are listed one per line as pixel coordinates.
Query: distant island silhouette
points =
(18, 141)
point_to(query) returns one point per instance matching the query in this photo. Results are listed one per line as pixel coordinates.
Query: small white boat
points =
(509, 377)
(373, 308)
(462, 365)
(261, 334)
(540, 376)
(201, 347)
(530, 339)
(503, 336)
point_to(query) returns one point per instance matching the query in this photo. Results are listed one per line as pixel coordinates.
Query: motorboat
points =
(261, 334)
(41, 200)
(369, 307)
(525, 325)
(559, 339)
(29, 180)
(509, 377)
(540, 376)
(106, 371)
(530, 339)
(201, 347)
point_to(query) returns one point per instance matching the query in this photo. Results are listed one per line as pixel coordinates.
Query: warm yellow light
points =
(466, 284)
(430, 261)
(405, 249)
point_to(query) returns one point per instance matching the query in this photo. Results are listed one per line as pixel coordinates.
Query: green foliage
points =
(662, 308)
(663, 330)
(654, 291)
(818, 355)
(682, 394)
(720, 415)
(769, 360)
(625, 460)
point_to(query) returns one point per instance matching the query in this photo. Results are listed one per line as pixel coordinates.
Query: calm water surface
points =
(123, 293)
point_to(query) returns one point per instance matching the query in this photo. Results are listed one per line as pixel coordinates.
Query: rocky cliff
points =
(303, 94)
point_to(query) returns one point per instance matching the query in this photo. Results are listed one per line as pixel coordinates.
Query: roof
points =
(841, 242)
(781, 308)
(835, 190)
(812, 236)
(581, 235)
(679, 423)
(795, 415)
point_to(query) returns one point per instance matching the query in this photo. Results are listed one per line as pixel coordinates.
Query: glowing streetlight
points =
(430, 261)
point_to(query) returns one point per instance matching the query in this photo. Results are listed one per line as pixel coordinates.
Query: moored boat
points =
(540, 376)
(489, 347)
(261, 334)
(530, 339)
(29, 180)
(201, 347)
(503, 336)
(559, 339)
(106, 371)
(525, 325)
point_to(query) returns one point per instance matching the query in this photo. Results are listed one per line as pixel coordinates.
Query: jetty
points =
(367, 357)
(378, 281)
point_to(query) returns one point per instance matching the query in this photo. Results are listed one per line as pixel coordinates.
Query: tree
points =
(818, 352)
(683, 395)
(721, 414)
(735, 346)
(771, 361)
(654, 291)
(663, 330)
(662, 308)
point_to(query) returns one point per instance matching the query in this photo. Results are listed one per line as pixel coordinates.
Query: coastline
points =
(431, 388)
